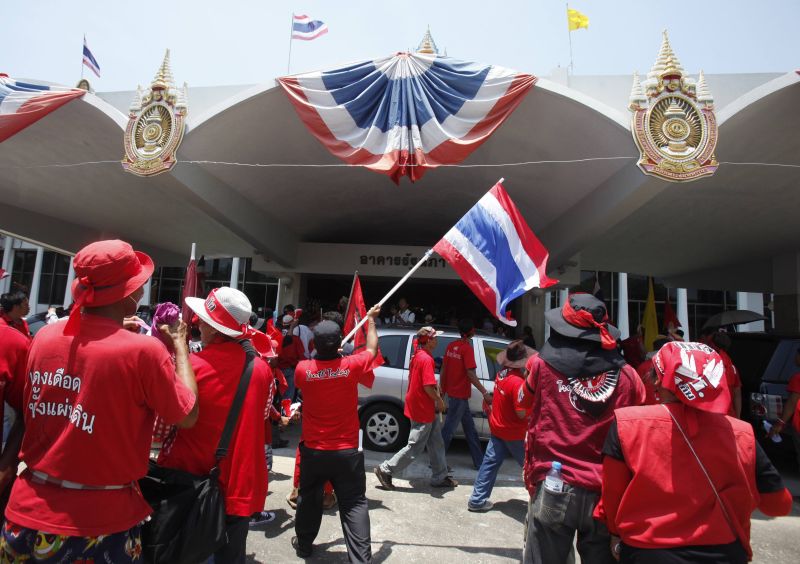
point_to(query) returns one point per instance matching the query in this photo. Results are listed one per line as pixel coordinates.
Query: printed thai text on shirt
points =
(75, 414)
(328, 374)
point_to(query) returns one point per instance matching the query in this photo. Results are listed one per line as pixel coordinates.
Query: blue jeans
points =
(288, 373)
(458, 412)
(496, 452)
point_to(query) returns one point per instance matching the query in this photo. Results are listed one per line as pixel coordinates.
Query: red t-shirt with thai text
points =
(330, 399)
(458, 358)
(243, 472)
(504, 423)
(420, 407)
(90, 402)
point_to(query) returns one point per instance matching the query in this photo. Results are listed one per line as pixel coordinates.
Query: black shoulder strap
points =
(238, 399)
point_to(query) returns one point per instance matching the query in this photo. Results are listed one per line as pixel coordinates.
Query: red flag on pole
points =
(356, 311)
(192, 287)
(671, 321)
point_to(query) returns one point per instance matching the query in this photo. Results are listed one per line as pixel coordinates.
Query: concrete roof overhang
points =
(617, 218)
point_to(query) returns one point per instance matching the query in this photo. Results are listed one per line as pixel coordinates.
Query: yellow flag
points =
(576, 20)
(650, 318)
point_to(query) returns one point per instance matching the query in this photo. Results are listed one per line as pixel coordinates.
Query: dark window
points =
(438, 352)
(22, 274)
(490, 350)
(53, 282)
(393, 348)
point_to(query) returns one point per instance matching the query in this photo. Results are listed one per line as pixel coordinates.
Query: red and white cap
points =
(226, 309)
(695, 373)
(3, 274)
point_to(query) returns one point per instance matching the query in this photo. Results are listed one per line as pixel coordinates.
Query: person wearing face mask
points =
(91, 398)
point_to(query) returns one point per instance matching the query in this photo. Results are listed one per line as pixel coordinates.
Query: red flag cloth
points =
(25, 103)
(189, 291)
(356, 311)
(275, 335)
(671, 321)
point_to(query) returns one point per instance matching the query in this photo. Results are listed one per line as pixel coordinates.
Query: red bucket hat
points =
(695, 373)
(106, 272)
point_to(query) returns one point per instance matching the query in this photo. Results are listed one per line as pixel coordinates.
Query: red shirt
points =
(794, 384)
(649, 387)
(420, 407)
(243, 472)
(291, 353)
(20, 325)
(330, 399)
(13, 356)
(458, 358)
(90, 404)
(560, 431)
(503, 420)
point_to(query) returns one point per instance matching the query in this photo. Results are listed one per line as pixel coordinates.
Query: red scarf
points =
(585, 320)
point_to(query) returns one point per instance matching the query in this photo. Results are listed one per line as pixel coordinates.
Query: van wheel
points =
(385, 427)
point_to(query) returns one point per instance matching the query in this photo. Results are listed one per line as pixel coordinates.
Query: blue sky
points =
(246, 41)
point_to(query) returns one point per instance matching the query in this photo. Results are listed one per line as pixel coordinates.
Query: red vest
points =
(669, 502)
(560, 430)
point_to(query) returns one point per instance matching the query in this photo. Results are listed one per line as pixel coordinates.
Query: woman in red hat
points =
(680, 479)
(224, 321)
(92, 393)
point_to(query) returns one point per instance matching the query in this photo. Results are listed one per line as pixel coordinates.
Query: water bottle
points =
(553, 481)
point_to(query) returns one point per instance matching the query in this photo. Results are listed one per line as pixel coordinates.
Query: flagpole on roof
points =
(569, 34)
(82, 46)
(291, 34)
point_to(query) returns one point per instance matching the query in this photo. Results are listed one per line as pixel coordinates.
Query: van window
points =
(491, 349)
(393, 348)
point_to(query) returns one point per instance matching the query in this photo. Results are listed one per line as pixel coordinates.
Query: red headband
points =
(584, 319)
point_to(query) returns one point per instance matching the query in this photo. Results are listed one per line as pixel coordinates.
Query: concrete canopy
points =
(606, 210)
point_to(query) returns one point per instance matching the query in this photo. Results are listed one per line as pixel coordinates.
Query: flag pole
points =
(352, 287)
(391, 292)
(569, 34)
(291, 34)
(82, 47)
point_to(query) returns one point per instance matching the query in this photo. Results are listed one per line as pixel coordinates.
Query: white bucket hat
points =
(225, 309)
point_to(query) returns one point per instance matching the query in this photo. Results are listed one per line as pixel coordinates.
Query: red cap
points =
(695, 373)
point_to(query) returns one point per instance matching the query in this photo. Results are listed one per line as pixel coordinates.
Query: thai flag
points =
(307, 29)
(89, 60)
(23, 103)
(495, 253)
(407, 113)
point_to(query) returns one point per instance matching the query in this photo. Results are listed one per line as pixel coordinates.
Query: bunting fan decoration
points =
(403, 114)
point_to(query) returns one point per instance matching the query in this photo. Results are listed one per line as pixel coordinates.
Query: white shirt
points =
(407, 315)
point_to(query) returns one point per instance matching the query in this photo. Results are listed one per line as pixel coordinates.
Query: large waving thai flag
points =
(495, 253)
(403, 114)
(23, 103)
(306, 29)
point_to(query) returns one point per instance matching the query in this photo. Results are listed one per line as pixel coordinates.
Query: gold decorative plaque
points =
(155, 125)
(673, 121)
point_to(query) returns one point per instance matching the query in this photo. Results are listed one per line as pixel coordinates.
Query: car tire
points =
(385, 427)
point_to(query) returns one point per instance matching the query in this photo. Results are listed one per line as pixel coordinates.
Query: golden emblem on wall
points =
(155, 125)
(673, 121)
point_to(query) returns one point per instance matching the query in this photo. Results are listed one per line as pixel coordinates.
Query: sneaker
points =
(384, 478)
(298, 551)
(487, 505)
(261, 518)
(448, 482)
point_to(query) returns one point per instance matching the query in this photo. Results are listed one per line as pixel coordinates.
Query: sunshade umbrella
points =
(733, 317)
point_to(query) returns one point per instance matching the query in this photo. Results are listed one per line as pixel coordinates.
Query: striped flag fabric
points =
(24, 103)
(306, 29)
(495, 253)
(404, 114)
(89, 60)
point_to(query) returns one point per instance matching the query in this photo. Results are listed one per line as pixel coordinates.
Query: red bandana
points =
(584, 319)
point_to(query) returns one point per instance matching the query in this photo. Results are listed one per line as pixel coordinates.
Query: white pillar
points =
(623, 322)
(146, 296)
(754, 302)
(33, 299)
(8, 264)
(563, 296)
(548, 305)
(683, 312)
(235, 273)
(68, 289)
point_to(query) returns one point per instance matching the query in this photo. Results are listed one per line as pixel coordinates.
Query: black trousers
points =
(345, 470)
(234, 551)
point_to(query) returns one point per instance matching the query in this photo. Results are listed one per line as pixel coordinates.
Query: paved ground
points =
(416, 523)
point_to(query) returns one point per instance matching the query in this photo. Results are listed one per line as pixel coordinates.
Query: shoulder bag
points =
(188, 520)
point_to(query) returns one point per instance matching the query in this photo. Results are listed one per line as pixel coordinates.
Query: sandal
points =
(448, 482)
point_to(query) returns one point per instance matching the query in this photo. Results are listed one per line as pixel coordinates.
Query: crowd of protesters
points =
(611, 446)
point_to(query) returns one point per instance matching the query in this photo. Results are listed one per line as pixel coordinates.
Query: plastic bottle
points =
(553, 481)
